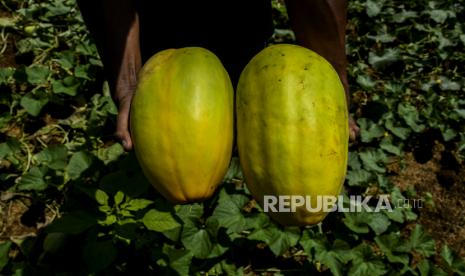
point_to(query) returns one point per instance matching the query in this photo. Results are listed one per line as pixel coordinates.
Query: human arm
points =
(114, 25)
(320, 26)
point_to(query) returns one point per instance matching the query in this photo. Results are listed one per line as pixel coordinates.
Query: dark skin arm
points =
(114, 25)
(320, 26)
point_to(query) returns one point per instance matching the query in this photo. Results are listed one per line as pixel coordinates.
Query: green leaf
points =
(279, 241)
(373, 8)
(369, 130)
(358, 177)
(5, 74)
(360, 222)
(372, 160)
(138, 204)
(366, 82)
(388, 145)
(79, 163)
(410, 115)
(118, 198)
(4, 254)
(98, 255)
(37, 74)
(82, 71)
(101, 197)
(421, 242)
(400, 132)
(54, 242)
(404, 15)
(460, 112)
(197, 241)
(455, 263)
(72, 223)
(32, 104)
(393, 247)
(364, 263)
(389, 57)
(179, 259)
(111, 153)
(54, 156)
(33, 180)
(439, 16)
(159, 221)
(68, 85)
(228, 212)
(66, 59)
(334, 257)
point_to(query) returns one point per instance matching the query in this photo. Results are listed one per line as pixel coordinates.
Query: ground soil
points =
(444, 178)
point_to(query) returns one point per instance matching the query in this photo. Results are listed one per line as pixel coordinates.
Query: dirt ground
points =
(444, 178)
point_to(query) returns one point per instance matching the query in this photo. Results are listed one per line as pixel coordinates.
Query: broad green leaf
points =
(400, 132)
(455, 263)
(4, 150)
(360, 222)
(393, 247)
(5, 74)
(72, 223)
(437, 15)
(358, 177)
(421, 242)
(101, 197)
(335, 256)
(54, 156)
(111, 153)
(379, 223)
(228, 212)
(68, 85)
(404, 15)
(353, 161)
(365, 263)
(118, 198)
(278, 240)
(197, 240)
(159, 221)
(54, 242)
(4, 251)
(66, 59)
(366, 82)
(82, 71)
(410, 114)
(79, 162)
(98, 255)
(372, 160)
(369, 130)
(179, 259)
(37, 74)
(138, 204)
(32, 104)
(388, 145)
(33, 180)
(373, 7)
(389, 57)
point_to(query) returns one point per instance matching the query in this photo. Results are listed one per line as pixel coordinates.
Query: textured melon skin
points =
(181, 123)
(292, 128)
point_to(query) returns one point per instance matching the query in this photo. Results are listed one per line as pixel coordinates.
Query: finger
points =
(122, 123)
(354, 130)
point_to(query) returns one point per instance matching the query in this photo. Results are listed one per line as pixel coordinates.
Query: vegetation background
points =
(72, 202)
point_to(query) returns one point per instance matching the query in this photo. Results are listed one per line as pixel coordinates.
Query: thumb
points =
(122, 122)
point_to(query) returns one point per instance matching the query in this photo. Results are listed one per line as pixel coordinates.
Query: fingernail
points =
(124, 143)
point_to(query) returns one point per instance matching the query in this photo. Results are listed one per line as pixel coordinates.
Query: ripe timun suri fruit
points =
(292, 129)
(182, 123)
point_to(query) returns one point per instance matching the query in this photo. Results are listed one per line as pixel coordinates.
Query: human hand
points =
(123, 98)
(354, 130)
